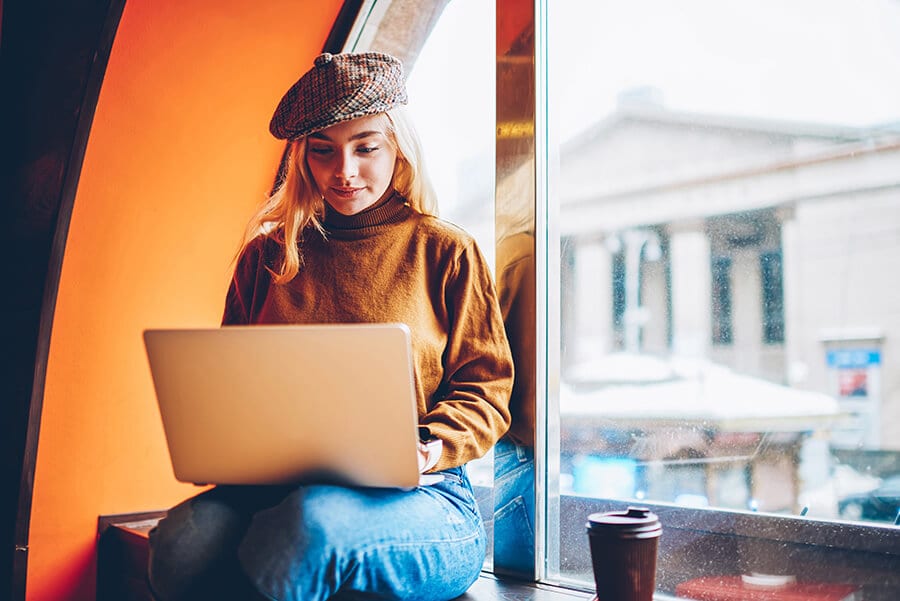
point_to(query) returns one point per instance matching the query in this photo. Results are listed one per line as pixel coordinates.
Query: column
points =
(691, 289)
(593, 299)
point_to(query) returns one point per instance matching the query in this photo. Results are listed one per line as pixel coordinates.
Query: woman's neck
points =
(387, 209)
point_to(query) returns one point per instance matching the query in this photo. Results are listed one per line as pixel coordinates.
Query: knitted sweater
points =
(390, 263)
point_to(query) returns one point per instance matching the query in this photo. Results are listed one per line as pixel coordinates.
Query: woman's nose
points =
(346, 167)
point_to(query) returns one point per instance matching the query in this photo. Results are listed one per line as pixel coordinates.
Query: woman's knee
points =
(304, 524)
(306, 545)
(195, 539)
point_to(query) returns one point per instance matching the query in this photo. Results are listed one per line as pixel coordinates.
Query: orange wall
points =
(179, 154)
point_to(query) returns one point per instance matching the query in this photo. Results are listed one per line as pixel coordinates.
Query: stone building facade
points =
(768, 247)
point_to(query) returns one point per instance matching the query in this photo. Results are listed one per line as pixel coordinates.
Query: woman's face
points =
(352, 162)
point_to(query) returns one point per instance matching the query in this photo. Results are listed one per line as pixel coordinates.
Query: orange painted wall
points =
(179, 154)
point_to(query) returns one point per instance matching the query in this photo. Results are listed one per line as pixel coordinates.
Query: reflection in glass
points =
(514, 455)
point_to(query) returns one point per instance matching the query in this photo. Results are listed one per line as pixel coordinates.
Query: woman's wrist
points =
(430, 448)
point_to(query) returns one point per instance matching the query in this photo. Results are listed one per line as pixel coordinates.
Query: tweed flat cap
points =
(339, 87)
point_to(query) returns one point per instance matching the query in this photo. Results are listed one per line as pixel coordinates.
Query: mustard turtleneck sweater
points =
(390, 263)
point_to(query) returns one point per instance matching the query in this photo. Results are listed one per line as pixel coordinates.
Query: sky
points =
(832, 61)
(827, 61)
(815, 61)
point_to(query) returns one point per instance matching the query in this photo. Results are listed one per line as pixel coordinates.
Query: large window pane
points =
(729, 199)
(451, 92)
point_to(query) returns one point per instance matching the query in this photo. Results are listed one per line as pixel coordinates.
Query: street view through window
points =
(729, 194)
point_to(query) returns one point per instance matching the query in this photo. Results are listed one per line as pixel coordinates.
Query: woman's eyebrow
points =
(363, 134)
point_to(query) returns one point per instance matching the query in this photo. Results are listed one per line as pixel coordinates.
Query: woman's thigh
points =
(426, 543)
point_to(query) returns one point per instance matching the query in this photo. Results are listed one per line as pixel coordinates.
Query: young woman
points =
(350, 236)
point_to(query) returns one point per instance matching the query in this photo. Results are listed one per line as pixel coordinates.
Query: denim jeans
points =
(310, 542)
(513, 509)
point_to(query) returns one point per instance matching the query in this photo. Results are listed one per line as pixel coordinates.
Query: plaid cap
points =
(338, 88)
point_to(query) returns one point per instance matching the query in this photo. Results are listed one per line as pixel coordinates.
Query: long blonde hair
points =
(297, 205)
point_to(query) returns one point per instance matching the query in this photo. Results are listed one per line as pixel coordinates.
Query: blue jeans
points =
(513, 509)
(311, 542)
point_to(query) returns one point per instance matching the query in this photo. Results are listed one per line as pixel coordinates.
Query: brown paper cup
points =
(623, 553)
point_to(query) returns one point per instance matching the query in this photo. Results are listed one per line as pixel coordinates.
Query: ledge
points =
(122, 550)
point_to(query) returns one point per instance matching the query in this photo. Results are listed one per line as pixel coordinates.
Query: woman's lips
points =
(346, 193)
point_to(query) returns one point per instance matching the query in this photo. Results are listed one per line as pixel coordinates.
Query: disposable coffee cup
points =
(624, 547)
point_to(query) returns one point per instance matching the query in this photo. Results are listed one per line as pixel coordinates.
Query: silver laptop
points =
(279, 404)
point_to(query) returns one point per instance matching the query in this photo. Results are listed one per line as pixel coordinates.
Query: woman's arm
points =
(472, 408)
(249, 282)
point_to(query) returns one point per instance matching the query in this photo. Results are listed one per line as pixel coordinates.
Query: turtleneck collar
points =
(391, 209)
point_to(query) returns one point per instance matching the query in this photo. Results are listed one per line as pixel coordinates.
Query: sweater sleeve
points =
(248, 283)
(472, 411)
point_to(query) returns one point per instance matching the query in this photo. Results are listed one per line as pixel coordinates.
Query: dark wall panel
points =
(52, 58)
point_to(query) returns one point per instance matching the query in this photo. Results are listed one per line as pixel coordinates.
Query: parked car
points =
(879, 504)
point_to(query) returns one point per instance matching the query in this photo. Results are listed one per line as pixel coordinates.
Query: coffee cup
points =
(624, 547)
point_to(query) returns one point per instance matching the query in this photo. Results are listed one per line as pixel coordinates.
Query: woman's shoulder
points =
(443, 230)
(263, 247)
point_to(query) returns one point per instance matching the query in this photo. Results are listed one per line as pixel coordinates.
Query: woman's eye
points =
(367, 149)
(321, 151)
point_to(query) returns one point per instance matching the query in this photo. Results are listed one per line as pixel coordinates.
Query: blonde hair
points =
(297, 205)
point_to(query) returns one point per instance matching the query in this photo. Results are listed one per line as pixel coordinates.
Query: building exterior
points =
(766, 247)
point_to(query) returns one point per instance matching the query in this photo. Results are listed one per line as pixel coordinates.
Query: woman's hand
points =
(429, 453)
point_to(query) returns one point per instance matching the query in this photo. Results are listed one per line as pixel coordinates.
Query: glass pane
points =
(729, 198)
(451, 91)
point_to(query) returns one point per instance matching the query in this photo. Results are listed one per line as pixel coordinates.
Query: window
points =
(719, 200)
(770, 173)
(618, 299)
(721, 300)
(772, 297)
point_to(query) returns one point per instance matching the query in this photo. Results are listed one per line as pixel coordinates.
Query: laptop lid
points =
(277, 404)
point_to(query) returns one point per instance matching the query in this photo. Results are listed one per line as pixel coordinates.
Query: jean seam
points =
(515, 505)
(509, 474)
(452, 477)
(416, 543)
